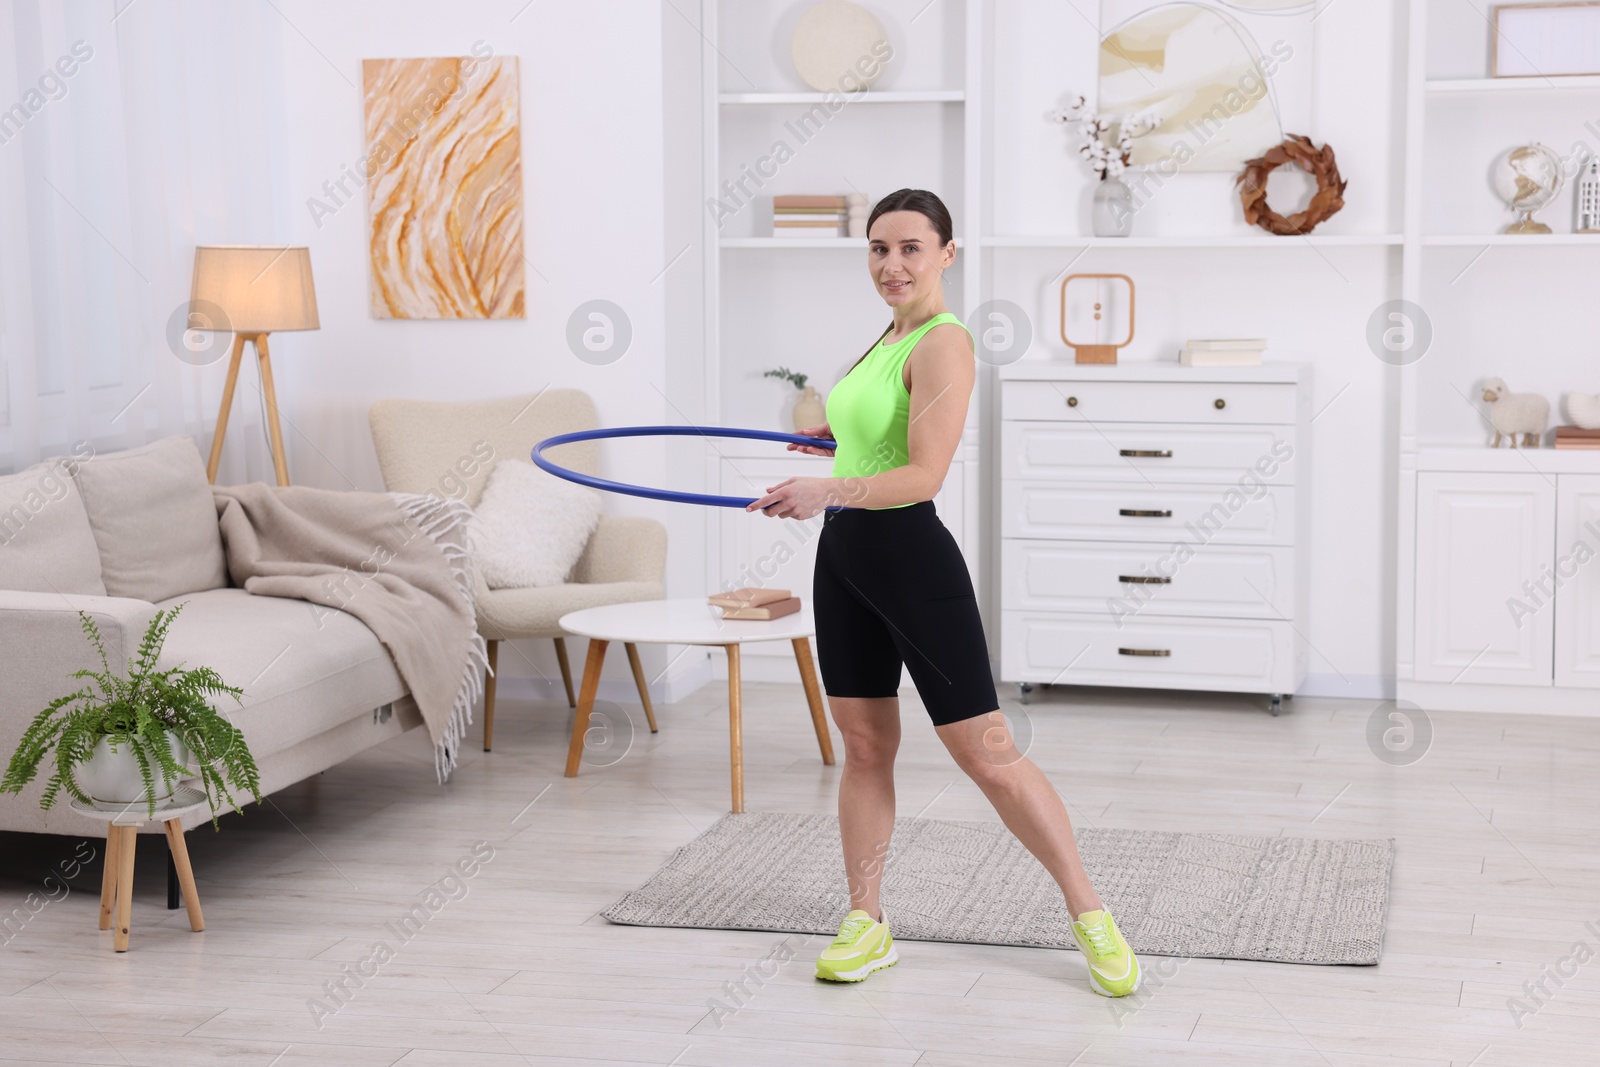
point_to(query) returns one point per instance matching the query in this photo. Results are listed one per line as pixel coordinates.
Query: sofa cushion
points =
(304, 668)
(46, 545)
(154, 520)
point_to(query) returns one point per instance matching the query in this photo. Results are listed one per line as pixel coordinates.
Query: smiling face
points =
(905, 259)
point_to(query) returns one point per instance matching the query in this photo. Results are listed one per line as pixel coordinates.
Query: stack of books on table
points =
(1576, 437)
(1223, 352)
(817, 216)
(755, 603)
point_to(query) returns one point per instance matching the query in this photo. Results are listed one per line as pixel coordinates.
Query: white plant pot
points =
(110, 776)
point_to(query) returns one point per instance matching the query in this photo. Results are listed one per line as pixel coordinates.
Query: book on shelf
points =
(1223, 352)
(811, 203)
(1210, 344)
(832, 203)
(1577, 437)
(748, 597)
(775, 610)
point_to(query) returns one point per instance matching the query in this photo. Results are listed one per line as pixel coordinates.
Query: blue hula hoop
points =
(673, 495)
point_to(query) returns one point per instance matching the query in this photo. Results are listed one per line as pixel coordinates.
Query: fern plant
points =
(795, 378)
(143, 710)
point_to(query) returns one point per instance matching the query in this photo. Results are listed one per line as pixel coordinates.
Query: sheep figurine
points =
(1515, 413)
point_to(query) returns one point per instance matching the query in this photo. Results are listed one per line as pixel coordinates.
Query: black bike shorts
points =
(891, 587)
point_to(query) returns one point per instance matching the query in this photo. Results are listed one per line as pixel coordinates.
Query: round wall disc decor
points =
(838, 47)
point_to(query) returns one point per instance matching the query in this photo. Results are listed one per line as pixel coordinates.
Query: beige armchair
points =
(427, 446)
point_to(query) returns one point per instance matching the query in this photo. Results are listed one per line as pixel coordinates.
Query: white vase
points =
(110, 776)
(1112, 212)
(809, 409)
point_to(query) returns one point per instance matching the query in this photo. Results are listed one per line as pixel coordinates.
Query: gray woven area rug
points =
(1228, 896)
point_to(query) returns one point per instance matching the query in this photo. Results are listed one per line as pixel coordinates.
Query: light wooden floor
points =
(1498, 871)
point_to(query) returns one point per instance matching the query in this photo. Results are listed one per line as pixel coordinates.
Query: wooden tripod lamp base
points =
(250, 291)
(280, 463)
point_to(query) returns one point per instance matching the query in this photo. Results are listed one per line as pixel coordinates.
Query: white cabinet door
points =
(1482, 541)
(1577, 569)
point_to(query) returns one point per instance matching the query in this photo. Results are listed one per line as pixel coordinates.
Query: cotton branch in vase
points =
(1108, 157)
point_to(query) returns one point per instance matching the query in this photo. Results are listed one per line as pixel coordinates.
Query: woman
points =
(891, 587)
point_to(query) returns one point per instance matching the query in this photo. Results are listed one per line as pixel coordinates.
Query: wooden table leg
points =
(735, 729)
(580, 721)
(125, 849)
(108, 880)
(492, 653)
(638, 680)
(180, 858)
(808, 678)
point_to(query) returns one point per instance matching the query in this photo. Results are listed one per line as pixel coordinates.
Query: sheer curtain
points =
(130, 131)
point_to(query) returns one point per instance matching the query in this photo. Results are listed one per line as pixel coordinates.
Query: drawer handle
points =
(1219, 403)
(1137, 579)
(1147, 453)
(1142, 513)
(1072, 401)
(1144, 652)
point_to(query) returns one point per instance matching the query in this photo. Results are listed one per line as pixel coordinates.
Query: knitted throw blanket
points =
(396, 561)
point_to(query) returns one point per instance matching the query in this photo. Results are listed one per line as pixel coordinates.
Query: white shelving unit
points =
(1504, 513)
(1532, 240)
(752, 278)
(907, 96)
(854, 244)
(1561, 84)
(1265, 240)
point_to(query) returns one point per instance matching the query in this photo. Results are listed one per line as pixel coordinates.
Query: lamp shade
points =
(257, 288)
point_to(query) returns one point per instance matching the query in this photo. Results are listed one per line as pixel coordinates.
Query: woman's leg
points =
(871, 730)
(1027, 803)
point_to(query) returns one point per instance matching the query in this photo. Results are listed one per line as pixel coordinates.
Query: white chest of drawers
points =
(1153, 526)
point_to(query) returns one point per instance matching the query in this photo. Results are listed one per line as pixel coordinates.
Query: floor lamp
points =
(252, 290)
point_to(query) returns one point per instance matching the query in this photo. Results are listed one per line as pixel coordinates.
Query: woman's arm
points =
(942, 371)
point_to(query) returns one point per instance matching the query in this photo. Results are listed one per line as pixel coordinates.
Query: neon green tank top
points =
(869, 410)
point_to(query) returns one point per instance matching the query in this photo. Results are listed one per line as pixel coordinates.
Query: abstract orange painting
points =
(444, 189)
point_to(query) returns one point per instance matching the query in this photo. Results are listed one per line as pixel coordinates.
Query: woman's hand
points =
(812, 450)
(798, 498)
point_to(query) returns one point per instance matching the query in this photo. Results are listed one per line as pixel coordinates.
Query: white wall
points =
(592, 163)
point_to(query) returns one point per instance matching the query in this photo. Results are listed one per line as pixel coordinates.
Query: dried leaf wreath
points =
(1318, 163)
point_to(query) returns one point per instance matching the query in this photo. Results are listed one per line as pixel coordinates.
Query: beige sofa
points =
(123, 534)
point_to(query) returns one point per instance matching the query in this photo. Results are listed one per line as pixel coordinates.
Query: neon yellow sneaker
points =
(1113, 968)
(863, 946)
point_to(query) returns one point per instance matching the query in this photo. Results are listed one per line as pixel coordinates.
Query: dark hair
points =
(924, 203)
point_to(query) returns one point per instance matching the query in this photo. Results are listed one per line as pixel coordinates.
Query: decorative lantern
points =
(1589, 198)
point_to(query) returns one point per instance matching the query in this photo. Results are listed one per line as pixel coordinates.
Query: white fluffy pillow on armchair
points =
(531, 526)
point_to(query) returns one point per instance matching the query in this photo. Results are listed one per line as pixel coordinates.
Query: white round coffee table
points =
(691, 622)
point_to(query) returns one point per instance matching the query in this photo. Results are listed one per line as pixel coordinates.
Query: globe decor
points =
(1527, 178)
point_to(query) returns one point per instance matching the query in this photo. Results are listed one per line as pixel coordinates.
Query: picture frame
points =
(1549, 40)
